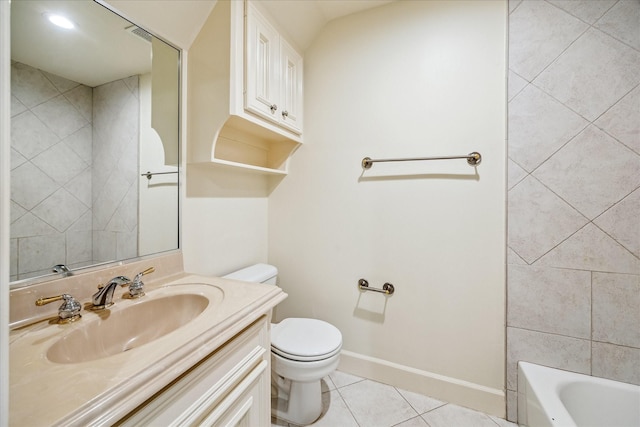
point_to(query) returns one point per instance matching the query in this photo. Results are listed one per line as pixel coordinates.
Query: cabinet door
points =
(290, 87)
(262, 67)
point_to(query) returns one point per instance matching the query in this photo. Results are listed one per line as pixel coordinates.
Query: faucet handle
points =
(68, 312)
(136, 289)
(142, 273)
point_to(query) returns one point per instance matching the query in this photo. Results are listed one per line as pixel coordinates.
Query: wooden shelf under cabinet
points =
(241, 144)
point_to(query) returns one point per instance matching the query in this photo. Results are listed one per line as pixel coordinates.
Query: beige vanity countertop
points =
(102, 391)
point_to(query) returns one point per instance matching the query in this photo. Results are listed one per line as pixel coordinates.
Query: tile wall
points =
(51, 159)
(574, 188)
(116, 113)
(74, 157)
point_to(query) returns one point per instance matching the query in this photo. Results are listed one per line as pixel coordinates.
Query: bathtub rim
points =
(536, 392)
(539, 393)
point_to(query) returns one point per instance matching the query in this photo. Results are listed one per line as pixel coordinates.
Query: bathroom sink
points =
(124, 328)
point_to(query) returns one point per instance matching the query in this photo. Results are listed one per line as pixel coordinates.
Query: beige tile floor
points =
(351, 401)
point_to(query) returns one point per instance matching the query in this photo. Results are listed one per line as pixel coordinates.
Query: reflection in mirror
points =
(93, 109)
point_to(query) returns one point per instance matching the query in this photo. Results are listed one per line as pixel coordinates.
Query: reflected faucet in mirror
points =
(83, 130)
(62, 270)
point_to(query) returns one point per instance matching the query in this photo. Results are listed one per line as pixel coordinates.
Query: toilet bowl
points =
(303, 351)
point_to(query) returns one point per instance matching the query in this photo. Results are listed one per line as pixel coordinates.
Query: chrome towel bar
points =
(473, 159)
(150, 174)
(387, 288)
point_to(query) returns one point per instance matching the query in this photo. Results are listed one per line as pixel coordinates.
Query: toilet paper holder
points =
(387, 288)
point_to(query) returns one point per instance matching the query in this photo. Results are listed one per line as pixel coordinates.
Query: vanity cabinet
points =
(273, 73)
(245, 92)
(229, 387)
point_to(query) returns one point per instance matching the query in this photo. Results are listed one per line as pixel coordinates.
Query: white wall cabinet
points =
(245, 92)
(273, 85)
(230, 387)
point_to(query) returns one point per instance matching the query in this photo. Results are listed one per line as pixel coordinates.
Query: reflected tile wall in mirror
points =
(74, 172)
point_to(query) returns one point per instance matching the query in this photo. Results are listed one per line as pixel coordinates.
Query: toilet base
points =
(296, 402)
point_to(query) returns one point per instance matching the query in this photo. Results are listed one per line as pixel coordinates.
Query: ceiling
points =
(83, 56)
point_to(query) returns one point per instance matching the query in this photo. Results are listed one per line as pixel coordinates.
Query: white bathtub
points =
(550, 397)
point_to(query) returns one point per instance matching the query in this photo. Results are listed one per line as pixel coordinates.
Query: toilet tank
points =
(258, 273)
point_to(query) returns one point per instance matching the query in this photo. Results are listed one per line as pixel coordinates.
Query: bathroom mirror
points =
(94, 139)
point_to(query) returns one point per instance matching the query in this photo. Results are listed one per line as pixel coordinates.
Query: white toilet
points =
(303, 351)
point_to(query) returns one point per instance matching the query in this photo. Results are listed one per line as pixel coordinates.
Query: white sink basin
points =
(123, 329)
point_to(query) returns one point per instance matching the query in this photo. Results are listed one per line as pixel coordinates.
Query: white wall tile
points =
(84, 223)
(17, 107)
(558, 351)
(80, 187)
(616, 362)
(515, 174)
(30, 225)
(514, 258)
(512, 406)
(591, 249)
(16, 159)
(616, 308)
(596, 76)
(622, 22)
(621, 121)
(576, 78)
(29, 136)
(79, 248)
(60, 162)
(81, 97)
(16, 212)
(127, 244)
(30, 186)
(40, 253)
(60, 210)
(107, 201)
(538, 219)
(104, 246)
(36, 190)
(60, 116)
(60, 83)
(515, 84)
(592, 172)
(30, 86)
(538, 33)
(550, 300)
(513, 4)
(587, 10)
(115, 168)
(622, 222)
(539, 126)
(81, 143)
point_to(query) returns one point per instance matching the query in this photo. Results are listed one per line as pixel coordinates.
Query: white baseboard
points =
(452, 390)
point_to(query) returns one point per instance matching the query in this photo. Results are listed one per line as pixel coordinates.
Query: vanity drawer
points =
(236, 376)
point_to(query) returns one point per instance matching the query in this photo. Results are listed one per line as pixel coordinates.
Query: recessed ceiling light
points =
(60, 21)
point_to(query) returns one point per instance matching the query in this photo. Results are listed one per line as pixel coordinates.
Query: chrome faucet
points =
(136, 288)
(104, 297)
(68, 312)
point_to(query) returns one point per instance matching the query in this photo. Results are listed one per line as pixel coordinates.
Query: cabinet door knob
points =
(273, 107)
(285, 114)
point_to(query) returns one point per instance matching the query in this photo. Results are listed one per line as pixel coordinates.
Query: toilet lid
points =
(305, 339)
